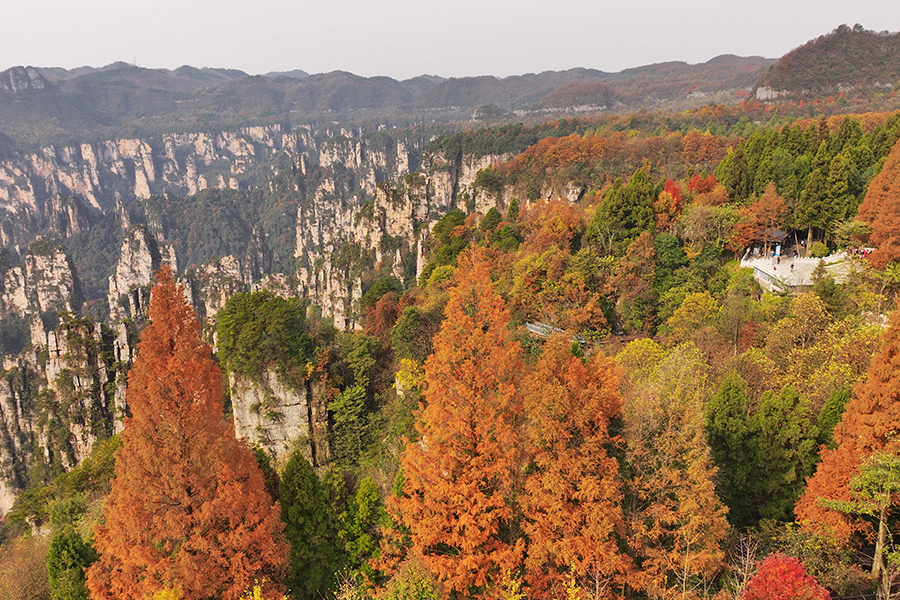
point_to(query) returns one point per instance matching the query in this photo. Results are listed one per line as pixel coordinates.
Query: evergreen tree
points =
(830, 416)
(841, 201)
(626, 211)
(728, 430)
(68, 557)
(814, 209)
(765, 457)
(311, 530)
(188, 510)
(360, 524)
(783, 454)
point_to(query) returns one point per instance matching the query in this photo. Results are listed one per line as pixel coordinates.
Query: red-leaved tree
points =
(783, 578)
(188, 511)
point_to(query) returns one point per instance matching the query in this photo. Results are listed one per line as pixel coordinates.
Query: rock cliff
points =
(140, 257)
(104, 171)
(56, 400)
(43, 283)
(362, 205)
(280, 419)
(19, 79)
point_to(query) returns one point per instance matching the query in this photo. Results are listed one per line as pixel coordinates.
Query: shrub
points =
(818, 250)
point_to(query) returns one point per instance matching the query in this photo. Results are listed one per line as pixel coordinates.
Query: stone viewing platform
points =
(774, 276)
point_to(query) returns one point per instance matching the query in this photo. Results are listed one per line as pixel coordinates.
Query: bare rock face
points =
(218, 281)
(77, 376)
(129, 288)
(101, 171)
(16, 430)
(277, 283)
(359, 204)
(19, 79)
(278, 418)
(56, 402)
(379, 217)
(43, 283)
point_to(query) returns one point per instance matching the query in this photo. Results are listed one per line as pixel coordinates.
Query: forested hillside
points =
(638, 355)
(845, 59)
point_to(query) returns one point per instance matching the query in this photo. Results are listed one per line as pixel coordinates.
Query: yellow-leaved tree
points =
(676, 523)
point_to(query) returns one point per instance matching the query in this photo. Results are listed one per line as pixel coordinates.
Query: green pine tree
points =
(729, 433)
(69, 555)
(310, 527)
(783, 454)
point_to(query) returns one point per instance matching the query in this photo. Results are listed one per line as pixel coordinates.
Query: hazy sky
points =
(405, 38)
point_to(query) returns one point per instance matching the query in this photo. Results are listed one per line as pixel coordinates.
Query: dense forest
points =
(606, 379)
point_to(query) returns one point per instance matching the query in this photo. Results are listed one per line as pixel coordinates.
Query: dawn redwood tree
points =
(881, 210)
(188, 510)
(460, 478)
(572, 505)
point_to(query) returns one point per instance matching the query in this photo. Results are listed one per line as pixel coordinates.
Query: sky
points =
(406, 38)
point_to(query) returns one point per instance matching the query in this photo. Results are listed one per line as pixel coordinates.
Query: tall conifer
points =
(187, 510)
(460, 479)
(881, 210)
(311, 528)
(573, 498)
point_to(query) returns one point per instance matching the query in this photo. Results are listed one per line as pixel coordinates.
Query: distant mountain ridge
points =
(46, 105)
(121, 99)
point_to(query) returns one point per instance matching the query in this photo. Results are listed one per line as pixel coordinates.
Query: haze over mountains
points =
(47, 105)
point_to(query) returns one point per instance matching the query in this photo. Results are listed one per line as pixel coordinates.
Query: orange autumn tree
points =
(460, 478)
(188, 511)
(548, 224)
(759, 221)
(572, 501)
(870, 422)
(668, 207)
(881, 210)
